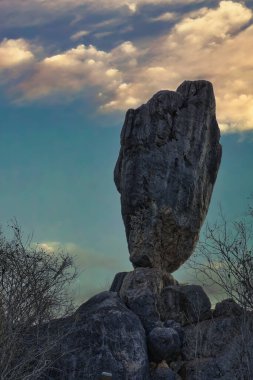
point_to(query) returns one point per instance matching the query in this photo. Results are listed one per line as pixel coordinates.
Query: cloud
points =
(83, 257)
(60, 5)
(78, 35)
(79, 69)
(14, 53)
(90, 264)
(212, 25)
(132, 5)
(32, 13)
(49, 247)
(167, 16)
(103, 34)
(214, 45)
(210, 43)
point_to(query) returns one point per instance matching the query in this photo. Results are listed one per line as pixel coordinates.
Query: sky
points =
(69, 70)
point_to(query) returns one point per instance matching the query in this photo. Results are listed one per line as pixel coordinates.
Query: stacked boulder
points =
(148, 326)
(165, 173)
(166, 169)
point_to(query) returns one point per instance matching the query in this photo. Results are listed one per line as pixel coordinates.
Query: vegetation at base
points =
(33, 290)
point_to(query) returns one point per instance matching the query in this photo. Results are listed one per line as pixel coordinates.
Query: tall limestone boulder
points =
(166, 169)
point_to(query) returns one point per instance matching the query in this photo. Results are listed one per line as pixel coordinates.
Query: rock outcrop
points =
(160, 301)
(103, 335)
(184, 304)
(148, 326)
(165, 173)
(140, 291)
(164, 344)
(219, 348)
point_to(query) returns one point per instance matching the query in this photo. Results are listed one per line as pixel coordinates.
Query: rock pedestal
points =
(165, 173)
(107, 335)
(149, 327)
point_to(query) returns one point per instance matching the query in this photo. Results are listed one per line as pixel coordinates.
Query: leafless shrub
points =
(225, 259)
(33, 291)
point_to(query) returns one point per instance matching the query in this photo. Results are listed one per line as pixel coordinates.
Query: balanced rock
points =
(165, 173)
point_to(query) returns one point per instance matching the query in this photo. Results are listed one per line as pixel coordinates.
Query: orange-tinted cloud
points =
(78, 69)
(14, 53)
(212, 44)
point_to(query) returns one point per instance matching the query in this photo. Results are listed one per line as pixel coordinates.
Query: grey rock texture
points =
(157, 298)
(104, 336)
(163, 374)
(176, 326)
(226, 308)
(165, 173)
(184, 304)
(117, 281)
(220, 348)
(140, 291)
(163, 344)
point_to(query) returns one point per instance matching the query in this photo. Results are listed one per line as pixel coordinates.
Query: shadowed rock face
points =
(103, 335)
(165, 173)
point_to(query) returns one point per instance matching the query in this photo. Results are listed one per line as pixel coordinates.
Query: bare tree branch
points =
(225, 258)
(33, 291)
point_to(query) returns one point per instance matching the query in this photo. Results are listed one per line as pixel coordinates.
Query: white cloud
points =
(79, 69)
(49, 247)
(167, 16)
(212, 25)
(90, 264)
(31, 12)
(14, 53)
(212, 44)
(76, 36)
(82, 256)
(132, 5)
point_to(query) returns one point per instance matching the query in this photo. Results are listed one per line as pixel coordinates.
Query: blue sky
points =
(69, 70)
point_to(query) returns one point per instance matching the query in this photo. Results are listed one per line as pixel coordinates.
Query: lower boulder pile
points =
(148, 326)
(151, 328)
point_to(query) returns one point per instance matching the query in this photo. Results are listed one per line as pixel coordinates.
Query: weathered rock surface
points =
(104, 336)
(117, 281)
(165, 173)
(220, 348)
(163, 344)
(157, 298)
(149, 327)
(176, 326)
(184, 304)
(163, 374)
(140, 291)
(226, 308)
